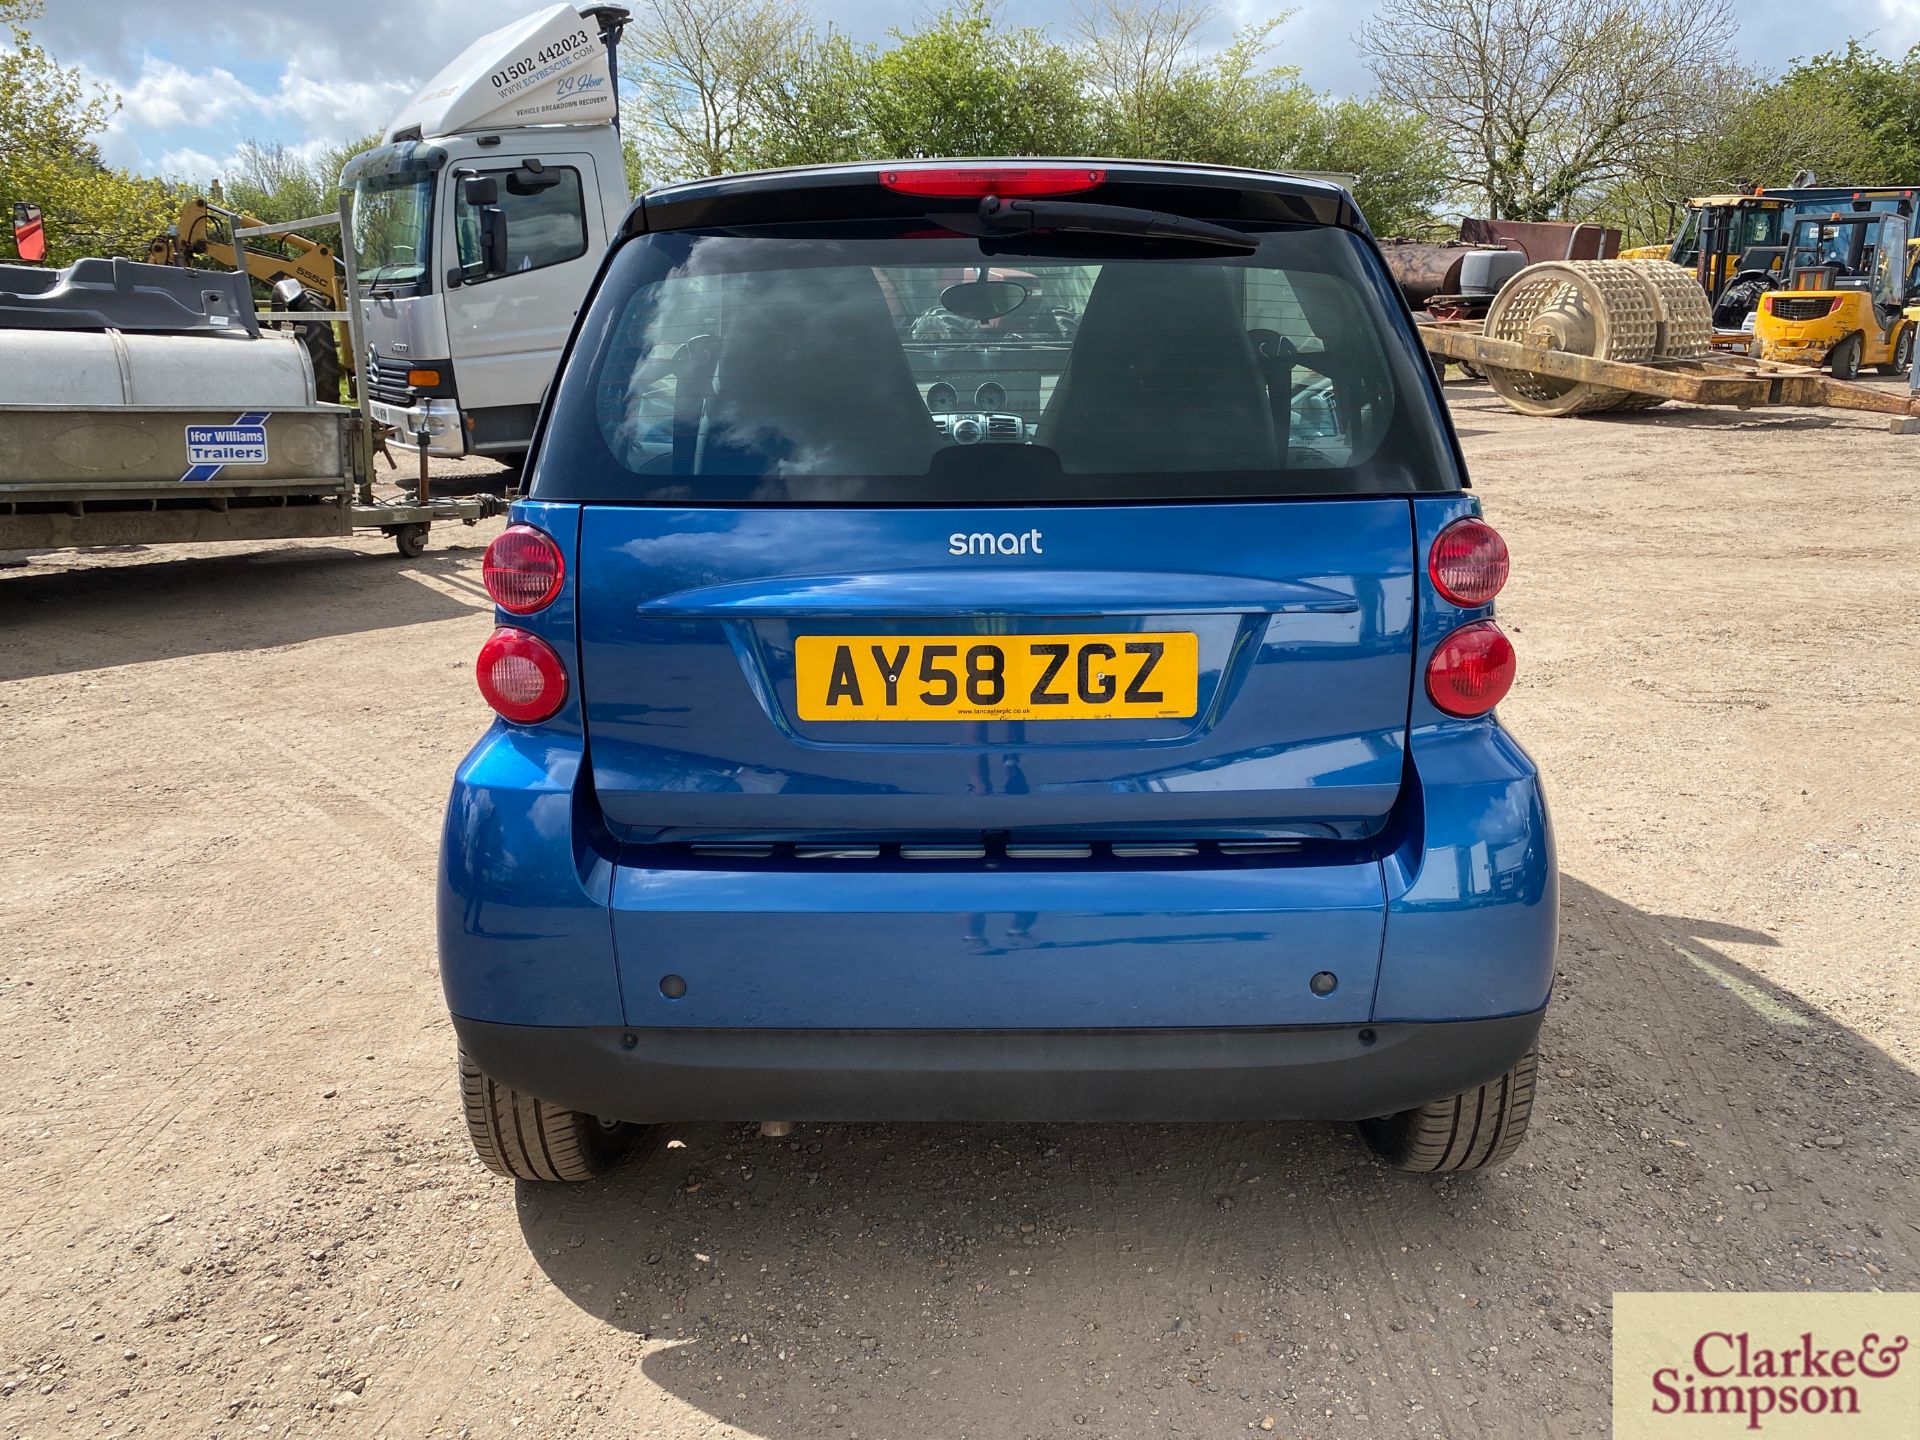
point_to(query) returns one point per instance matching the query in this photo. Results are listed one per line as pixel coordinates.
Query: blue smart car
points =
(996, 640)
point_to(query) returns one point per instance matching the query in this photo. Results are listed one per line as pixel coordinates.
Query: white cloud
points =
(1903, 25)
(176, 107)
(194, 166)
(167, 96)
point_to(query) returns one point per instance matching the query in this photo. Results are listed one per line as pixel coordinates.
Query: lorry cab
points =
(477, 227)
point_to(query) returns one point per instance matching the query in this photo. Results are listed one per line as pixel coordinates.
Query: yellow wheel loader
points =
(1849, 275)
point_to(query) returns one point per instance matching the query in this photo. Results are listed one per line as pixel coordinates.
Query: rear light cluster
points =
(1471, 669)
(1468, 562)
(523, 570)
(520, 674)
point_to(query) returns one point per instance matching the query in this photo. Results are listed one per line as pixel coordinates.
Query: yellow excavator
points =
(204, 230)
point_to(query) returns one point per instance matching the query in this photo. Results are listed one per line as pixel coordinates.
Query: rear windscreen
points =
(879, 365)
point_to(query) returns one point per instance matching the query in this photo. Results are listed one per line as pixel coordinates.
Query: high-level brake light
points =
(960, 182)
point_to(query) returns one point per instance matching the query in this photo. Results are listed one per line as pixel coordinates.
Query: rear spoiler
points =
(855, 192)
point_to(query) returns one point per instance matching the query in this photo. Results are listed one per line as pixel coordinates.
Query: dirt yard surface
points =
(236, 1197)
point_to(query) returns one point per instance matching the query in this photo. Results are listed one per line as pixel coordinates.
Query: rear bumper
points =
(1316, 1072)
(547, 921)
(1795, 349)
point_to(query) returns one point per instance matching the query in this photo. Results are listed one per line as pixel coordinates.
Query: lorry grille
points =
(387, 382)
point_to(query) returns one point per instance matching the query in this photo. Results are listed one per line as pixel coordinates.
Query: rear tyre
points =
(1471, 1131)
(1844, 359)
(522, 1138)
(1902, 360)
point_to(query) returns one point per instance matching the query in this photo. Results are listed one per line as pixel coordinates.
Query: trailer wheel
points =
(410, 540)
(1471, 1131)
(1844, 359)
(523, 1138)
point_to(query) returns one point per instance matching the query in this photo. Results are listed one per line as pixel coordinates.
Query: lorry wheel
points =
(1844, 359)
(522, 1138)
(1463, 1132)
(1902, 360)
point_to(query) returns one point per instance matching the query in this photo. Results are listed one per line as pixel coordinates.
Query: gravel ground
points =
(236, 1198)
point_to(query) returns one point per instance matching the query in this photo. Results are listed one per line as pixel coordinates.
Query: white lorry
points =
(478, 225)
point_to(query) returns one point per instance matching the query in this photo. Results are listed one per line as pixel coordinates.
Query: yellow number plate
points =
(998, 677)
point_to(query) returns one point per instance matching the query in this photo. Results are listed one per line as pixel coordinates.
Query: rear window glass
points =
(866, 366)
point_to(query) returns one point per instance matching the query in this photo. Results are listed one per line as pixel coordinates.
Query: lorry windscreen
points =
(393, 232)
(891, 362)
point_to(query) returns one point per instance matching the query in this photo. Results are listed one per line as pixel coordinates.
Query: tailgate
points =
(720, 647)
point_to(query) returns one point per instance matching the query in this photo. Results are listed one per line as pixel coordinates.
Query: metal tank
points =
(145, 404)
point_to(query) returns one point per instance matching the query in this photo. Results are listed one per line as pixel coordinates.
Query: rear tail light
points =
(974, 181)
(1471, 670)
(1468, 562)
(523, 569)
(520, 676)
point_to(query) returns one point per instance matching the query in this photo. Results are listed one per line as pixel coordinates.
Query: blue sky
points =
(200, 76)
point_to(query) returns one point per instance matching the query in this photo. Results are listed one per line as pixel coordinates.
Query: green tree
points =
(1743, 137)
(1394, 159)
(809, 109)
(1880, 96)
(742, 84)
(698, 74)
(964, 84)
(1542, 103)
(1158, 94)
(276, 184)
(50, 120)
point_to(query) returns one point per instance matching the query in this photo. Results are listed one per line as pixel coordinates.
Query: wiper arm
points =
(1027, 216)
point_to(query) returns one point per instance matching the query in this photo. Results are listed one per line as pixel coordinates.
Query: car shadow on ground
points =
(1698, 1128)
(87, 617)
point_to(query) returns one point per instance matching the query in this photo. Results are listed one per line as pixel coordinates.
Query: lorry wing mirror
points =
(493, 242)
(481, 195)
(530, 179)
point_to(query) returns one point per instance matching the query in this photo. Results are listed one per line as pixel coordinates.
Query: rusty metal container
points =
(1545, 239)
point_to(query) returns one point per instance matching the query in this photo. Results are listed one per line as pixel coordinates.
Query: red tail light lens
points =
(1468, 562)
(1471, 670)
(972, 181)
(523, 570)
(520, 676)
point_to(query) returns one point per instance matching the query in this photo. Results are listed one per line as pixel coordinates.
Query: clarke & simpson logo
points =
(1783, 1365)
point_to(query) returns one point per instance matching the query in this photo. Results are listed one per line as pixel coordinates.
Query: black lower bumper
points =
(1320, 1072)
